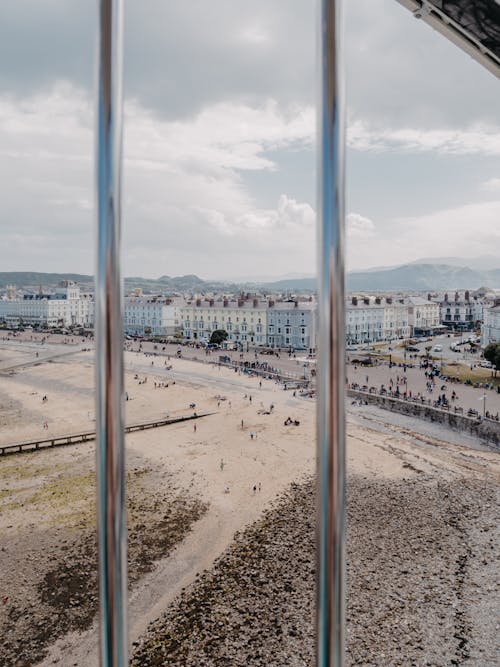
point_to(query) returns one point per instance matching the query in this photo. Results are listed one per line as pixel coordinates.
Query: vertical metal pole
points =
(111, 518)
(331, 348)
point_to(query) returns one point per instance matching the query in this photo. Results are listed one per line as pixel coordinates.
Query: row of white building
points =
(258, 321)
(64, 307)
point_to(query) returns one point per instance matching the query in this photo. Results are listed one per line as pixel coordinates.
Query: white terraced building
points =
(490, 329)
(65, 307)
(243, 319)
(292, 324)
(424, 315)
(364, 320)
(375, 319)
(396, 319)
(460, 312)
(252, 321)
(152, 315)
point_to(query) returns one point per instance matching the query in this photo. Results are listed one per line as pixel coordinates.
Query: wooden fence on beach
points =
(88, 436)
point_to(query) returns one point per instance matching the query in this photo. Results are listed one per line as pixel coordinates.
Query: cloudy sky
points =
(219, 135)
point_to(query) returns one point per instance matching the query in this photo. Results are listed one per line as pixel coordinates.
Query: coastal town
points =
(257, 320)
(220, 478)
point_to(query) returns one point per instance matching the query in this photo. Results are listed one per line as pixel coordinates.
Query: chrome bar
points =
(111, 520)
(330, 614)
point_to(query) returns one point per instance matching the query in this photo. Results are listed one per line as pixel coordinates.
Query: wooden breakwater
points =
(88, 436)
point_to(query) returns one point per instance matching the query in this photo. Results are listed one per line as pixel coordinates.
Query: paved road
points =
(298, 365)
(445, 341)
(468, 397)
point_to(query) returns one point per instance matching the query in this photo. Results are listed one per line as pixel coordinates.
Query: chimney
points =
(446, 297)
(255, 303)
(270, 303)
(224, 303)
(198, 302)
(429, 297)
(354, 301)
(240, 302)
(457, 296)
(296, 304)
(211, 302)
(366, 301)
(467, 295)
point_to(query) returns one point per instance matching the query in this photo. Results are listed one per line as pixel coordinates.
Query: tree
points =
(492, 354)
(218, 336)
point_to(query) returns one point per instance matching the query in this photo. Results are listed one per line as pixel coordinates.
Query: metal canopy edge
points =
(473, 26)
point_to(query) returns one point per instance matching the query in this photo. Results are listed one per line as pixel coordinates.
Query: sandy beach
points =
(193, 485)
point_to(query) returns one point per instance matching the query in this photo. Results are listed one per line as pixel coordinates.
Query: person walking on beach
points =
(194, 427)
(254, 489)
(222, 465)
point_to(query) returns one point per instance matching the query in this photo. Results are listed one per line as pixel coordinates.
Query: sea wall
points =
(485, 429)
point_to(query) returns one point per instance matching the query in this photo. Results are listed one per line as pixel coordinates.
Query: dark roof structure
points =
(473, 25)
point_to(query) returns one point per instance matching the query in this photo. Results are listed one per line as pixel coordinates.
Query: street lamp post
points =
(483, 398)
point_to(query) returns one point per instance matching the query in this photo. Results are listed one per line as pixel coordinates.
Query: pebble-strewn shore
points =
(55, 580)
(416, 550)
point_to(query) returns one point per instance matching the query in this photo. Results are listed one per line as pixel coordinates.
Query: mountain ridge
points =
(422, 276)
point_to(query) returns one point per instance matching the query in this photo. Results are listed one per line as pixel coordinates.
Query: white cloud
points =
(468, 231)
(255, 35)
(359, 227)
(184, 193)
(474, 140)
(464, 231)
(223, 136)
(492, 185)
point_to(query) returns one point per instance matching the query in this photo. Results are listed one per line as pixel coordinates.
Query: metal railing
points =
(109, 343)
(111, 521)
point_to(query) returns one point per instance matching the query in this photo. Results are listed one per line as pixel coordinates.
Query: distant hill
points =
(30, 280)
(412, 277)
(482, 263)
(306, 284)
(26, 279)
(421, 276)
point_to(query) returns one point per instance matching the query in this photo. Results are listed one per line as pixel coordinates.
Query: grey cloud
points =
(41, 42)
(183, 55)
(179, 56)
